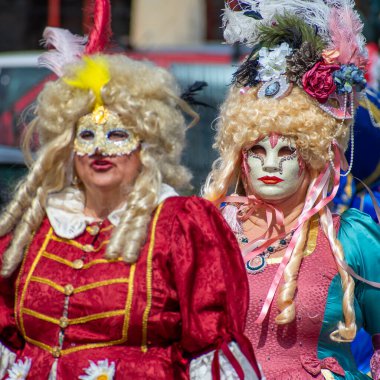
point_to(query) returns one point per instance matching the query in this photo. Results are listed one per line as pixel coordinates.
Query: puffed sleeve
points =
(213, 293)
(360, 237)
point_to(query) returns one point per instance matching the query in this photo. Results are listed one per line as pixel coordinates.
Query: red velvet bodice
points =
(150, 318)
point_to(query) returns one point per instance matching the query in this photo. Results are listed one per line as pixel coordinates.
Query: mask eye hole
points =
(258, 150)
(286, 151)
(117, 135)
(87, 135)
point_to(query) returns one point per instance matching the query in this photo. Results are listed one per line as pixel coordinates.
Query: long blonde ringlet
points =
(346, 331)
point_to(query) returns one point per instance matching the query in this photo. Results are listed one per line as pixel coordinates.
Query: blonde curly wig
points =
(146, 99)
(244, 119)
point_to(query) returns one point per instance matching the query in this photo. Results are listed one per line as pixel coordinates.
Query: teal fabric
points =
(360, 238)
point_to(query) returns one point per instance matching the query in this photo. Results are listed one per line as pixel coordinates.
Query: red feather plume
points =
(100, 33)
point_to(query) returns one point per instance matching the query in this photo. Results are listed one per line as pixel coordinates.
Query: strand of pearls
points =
(352, 139)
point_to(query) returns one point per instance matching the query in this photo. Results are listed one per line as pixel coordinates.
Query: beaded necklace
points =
(259, 262)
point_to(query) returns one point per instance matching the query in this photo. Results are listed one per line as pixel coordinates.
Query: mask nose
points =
(271, 163)
(100, 143)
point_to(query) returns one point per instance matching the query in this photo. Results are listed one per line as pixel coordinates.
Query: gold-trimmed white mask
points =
(102, 131)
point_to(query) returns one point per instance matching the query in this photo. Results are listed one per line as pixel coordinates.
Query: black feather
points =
(190, 93)
(246, 74)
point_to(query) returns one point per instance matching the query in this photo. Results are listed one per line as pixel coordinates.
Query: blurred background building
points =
(183, 35)
(138, 23)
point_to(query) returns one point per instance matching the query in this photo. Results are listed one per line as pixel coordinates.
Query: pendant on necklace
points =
(257, 264)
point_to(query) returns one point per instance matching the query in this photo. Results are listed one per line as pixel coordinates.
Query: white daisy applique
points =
(99, 371)
(19, 369)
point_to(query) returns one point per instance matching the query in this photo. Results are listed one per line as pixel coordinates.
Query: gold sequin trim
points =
(144, 347)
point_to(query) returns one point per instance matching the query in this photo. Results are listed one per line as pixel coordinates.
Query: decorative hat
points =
(317, 45)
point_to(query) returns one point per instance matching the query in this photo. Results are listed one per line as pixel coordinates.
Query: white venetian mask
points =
(275, 169)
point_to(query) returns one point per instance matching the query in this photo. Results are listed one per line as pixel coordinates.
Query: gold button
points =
(88, 248)
(78, 264)
(93, 230)
(69, 289)
(63, 322)
(56, 352)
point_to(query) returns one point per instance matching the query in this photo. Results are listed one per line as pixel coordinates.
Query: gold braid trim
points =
(28, 278)
(83, 247)
(149, 273)
(61, 260)
(126, 312)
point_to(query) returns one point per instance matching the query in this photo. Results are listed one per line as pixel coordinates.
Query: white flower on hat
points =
(19, 369)
(99, 371)
(272, 62)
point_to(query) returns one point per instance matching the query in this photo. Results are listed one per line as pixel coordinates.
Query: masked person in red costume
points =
(105, 272)
(314, 277)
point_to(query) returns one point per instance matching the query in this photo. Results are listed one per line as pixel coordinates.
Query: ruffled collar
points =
(65, 211)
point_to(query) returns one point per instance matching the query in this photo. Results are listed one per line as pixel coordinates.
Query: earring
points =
(75, 181)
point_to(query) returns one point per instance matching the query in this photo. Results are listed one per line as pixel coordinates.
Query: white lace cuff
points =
(7, 358)
(200, 368)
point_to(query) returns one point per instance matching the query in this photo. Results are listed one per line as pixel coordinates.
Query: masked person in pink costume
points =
(314, 277)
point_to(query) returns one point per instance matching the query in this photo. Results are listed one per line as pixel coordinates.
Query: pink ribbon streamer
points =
(317, 188)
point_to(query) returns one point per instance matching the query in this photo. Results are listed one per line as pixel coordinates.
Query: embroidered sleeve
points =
(211, 283)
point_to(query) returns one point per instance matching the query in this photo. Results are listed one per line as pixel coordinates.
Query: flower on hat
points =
(319, 82)
(272, 62)
(99, 371)
(301, 61)
(331, 56)
(349, 78)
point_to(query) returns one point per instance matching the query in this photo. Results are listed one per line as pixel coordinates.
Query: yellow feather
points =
(93, 75)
